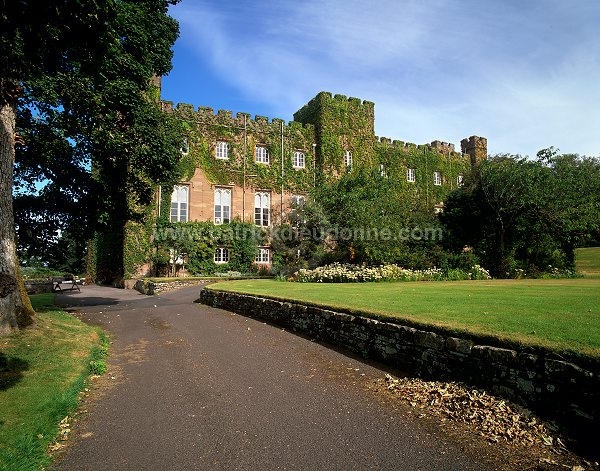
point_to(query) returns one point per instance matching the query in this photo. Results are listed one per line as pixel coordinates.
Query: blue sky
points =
(524, 74)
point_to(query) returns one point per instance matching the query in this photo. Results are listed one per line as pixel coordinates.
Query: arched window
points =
(262, 206)
(179, 203)
(222, 205)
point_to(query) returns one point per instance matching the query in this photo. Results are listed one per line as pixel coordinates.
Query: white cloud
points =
(523, 75)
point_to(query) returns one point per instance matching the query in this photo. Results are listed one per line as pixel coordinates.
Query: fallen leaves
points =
(494, 418)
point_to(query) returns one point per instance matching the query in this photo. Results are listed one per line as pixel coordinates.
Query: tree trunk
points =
(503, 264)
(15, 307)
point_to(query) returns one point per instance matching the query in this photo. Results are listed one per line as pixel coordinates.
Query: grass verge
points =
(559, 316)
(42, 371)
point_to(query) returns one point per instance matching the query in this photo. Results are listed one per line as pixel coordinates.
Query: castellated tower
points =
(344, 131)
(475, 147)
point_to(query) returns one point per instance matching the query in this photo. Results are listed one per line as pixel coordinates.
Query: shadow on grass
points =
(11, 371)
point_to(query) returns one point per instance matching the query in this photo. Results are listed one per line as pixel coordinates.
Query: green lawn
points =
(558, 315)
(42, 370)
(588, 260)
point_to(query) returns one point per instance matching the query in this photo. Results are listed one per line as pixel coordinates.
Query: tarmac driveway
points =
(200, 388)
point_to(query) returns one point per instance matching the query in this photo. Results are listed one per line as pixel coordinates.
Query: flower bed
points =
(345, 273)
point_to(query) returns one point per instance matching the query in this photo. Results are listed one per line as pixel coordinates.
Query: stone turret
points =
(342, 125)
(475, 147)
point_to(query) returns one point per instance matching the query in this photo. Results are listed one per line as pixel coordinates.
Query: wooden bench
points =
(70, 281)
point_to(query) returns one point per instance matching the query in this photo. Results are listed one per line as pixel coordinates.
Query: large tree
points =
(107, 117)
(37, 39)
(81, 71)
(520, 214)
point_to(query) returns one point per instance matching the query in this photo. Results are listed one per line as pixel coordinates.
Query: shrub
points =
(345, 273)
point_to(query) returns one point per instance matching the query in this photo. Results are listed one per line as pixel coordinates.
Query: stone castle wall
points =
(324, 129)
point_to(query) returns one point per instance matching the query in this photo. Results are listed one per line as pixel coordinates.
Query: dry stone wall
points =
(558, 390)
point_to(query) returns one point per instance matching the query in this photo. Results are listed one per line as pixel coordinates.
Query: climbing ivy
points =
(199, 241)
(205, 129)
(334, 124)
(342, 124)
(397, 157)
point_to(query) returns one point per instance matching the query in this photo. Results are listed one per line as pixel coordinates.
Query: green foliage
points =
(342, 124)
(137, 247)
(363, 218)
(47, 38)
(523, 216)
(301, 241)
(97, 367)
(195, 244)
(396, 157)
(204, 129)
(103, 109)
(33, 272)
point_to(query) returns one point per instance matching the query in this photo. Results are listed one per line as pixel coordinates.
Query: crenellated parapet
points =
(330, 131)
(475, 147)
(443, 148)
(206, 116)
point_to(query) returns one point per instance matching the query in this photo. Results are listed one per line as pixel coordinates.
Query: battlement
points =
(476, 147)
(316, 106)
(350, 118)
(442, 146)
(439, 146)
(395, 143)
(352, 100)
(207, 115)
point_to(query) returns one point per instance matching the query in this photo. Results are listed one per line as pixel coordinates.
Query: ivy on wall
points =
(397, 157)
(341, 124)
(333, 123)
(199, 241)
(206, 129)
